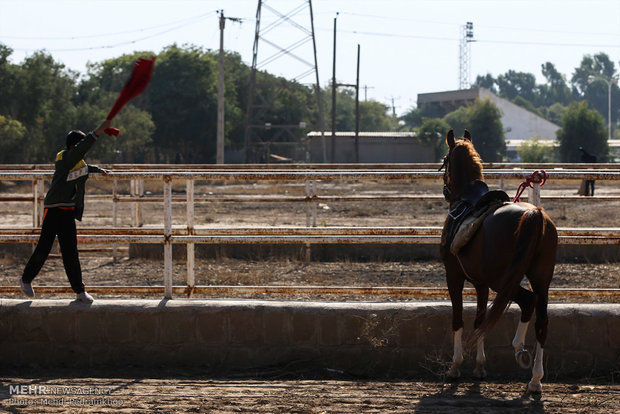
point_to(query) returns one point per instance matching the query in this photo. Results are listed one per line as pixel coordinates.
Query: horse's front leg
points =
(482, 295)
(455, 287)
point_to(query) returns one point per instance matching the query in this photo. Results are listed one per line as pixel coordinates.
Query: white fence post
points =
(168, 237)
(535, 194)
(191, 281)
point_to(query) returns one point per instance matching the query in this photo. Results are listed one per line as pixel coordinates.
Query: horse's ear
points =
(467, 135)
(450, 139)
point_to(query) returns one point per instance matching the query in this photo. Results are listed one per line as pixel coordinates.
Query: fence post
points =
(535, 194)
(115, 216)
(191, 282)
(35, 203)
(168, 237)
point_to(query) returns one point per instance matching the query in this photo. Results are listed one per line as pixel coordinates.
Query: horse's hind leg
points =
(541, 336)
(526, 301)
(482, 295)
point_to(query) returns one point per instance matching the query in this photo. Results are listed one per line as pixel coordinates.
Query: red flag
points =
(140, 78)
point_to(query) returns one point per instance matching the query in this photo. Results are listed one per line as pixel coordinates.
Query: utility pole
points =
(366, 87)
(357, 108)
(334, 86)
(220, 90)
(259, 102)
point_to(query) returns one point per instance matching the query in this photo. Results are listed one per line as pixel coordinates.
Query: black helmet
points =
(74, 137)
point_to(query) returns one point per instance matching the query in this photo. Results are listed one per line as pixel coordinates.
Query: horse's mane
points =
(465, 165)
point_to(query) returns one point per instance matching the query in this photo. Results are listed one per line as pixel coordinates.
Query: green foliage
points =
(12, 146)
(582, 127)
(175, 118)
(373, 115)
(39, 94)
(487, 130)
(483, 120)
(458, 120)
(534, 151)
(513, 84)
(555, 91)
(433, 133)
(487, 81)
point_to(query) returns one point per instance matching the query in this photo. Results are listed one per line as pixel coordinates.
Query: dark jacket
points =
(70, 175)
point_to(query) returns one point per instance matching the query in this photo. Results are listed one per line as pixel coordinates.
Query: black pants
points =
(589, 187)
(57, 222)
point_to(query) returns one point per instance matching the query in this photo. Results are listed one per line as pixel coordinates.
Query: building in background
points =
(374, 147)
(519, 123)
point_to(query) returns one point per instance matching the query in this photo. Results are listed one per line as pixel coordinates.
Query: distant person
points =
(588, 158)
(64, 203)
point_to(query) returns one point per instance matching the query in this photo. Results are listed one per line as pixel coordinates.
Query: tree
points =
(582, 127)
(483, 120)
(487, 81)
(433, 133)
(12, 134)
(487, 130)
(555, 90)
(513, 84)
(459, 119)
(596, 93)
(43, 92)
(534, 151)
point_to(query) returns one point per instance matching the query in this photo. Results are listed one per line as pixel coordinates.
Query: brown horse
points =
(516, 240)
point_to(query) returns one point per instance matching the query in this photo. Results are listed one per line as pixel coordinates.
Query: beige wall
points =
(397, 339)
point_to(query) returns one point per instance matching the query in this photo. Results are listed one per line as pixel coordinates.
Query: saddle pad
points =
(470, 226)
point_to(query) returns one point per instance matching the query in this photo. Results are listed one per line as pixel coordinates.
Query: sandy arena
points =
(293, 389)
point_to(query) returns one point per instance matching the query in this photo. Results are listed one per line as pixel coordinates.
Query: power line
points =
(453, 39)
(123, 43)
(94, 36)
(520, 28)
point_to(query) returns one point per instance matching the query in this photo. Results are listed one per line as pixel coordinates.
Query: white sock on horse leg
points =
(537, 370)
(457, 358)
(518, 343)
(481, 358)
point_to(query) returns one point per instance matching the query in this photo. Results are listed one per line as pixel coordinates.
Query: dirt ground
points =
(168, 392)
(297, 391)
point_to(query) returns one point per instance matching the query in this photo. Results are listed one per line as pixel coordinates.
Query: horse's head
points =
(462, 165)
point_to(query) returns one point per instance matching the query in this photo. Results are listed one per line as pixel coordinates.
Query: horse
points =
(516, 240)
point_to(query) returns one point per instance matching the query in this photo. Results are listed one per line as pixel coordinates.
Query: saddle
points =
(464, 220)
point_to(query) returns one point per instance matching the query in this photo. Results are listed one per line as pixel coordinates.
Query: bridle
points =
(446, 167)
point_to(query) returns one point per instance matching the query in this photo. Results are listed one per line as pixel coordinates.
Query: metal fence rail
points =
(310, 174)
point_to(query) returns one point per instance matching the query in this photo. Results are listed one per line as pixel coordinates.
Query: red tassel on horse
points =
(140, 77)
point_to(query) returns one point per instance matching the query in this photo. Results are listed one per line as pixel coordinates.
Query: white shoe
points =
(26, 288)
(84, 297)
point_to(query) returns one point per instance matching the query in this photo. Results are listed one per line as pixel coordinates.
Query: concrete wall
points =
(369, 339)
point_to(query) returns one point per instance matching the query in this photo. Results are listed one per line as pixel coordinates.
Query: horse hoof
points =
(534, 388)
(480, 373)
(524, 358)
(453, 374)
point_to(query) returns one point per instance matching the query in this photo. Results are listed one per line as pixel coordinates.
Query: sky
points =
(407, 47)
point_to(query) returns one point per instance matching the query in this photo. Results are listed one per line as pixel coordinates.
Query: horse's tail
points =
(529, 233)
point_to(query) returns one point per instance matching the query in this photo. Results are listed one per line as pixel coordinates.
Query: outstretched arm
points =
(104, 125)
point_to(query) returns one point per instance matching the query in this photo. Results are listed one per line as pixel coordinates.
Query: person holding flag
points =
(64, 203)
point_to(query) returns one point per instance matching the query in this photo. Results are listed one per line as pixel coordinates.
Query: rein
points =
(534, 178)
